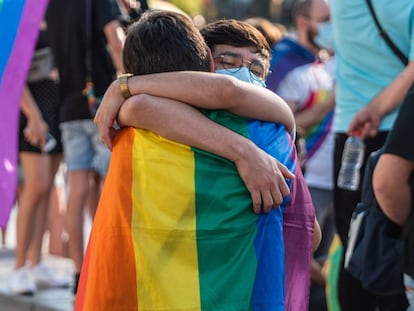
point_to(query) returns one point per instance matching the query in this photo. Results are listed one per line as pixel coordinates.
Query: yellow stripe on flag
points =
(164, 223)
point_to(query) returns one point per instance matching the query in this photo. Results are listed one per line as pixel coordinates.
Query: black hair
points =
(236, 33)
(162, 41)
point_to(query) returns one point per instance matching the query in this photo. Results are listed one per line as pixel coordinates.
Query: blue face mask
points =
(324, 38)
(243, 74)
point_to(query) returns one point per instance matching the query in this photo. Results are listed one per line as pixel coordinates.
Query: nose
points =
(246, 63)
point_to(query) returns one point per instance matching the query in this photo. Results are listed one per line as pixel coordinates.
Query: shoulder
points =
(106, 11)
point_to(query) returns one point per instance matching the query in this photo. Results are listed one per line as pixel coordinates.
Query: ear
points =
(210, 56)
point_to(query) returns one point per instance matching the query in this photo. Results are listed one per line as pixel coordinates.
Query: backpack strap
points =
(385, 36)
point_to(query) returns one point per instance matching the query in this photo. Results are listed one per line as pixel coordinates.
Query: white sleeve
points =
(293, 87)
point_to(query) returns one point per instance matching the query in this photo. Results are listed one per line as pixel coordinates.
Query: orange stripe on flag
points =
(113, 251)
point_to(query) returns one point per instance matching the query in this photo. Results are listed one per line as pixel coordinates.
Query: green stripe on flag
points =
(226, 227)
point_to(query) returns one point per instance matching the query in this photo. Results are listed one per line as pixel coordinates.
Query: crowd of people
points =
(207, 156)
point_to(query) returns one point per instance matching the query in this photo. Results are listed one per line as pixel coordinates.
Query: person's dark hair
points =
(163, 41)
(301, 8)
(269, 30)
(236, 33)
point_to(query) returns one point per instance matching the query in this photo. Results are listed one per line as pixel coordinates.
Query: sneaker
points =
(45, 277)
(22, 282)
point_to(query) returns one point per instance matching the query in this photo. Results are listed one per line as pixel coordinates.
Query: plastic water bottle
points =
(352, 157)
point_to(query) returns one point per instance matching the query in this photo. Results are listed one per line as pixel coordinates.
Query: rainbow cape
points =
(19, 27)
(316, 135)
(175, 229)
(287, 54)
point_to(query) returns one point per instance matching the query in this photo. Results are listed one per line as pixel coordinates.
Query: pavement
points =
(52, 299)
(56, 299)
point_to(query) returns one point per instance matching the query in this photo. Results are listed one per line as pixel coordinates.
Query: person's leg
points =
(43, 275)
(79, 153)
(57, 215)
(55, 224)
(32, 203)
(351, 295)
(78, 193)
(101, 163)
(42, 211)
(31, 206)
(94, 193)
(3, 237)
(323, 201)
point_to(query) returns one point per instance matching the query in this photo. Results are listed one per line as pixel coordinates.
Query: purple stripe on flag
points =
(298, 222)
(13, 80)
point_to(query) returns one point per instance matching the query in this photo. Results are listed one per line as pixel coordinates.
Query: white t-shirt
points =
(310, 85)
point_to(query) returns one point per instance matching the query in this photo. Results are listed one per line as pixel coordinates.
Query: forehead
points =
(319, 10)
(248, 53)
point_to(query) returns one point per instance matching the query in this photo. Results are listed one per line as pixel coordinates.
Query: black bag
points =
(373, 255)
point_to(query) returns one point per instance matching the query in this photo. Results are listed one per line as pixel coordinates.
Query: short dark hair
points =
(301, 8)
(236, 33)
(163, 41)
(269, 30)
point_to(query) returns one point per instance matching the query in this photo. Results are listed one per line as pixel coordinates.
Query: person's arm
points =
(115, 37)
(263, 175)
(391, 184)
(200, 89)
(309, 117)
(367, 120)
(215, 91)
(317, 235)
(36, 128)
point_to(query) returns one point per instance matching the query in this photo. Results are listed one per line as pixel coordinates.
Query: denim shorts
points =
(82, 148)
(409, 285)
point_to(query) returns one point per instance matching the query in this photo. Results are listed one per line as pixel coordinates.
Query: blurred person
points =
(86, 38)
(131, 11)
(209, 290)
(393, 175)
(296, 265)
(393, 183)
(57, 214)
(273, 33)
(366, 91)
(39, 118)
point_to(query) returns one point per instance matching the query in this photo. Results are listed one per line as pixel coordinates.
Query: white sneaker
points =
(22, 282)
(45, 277)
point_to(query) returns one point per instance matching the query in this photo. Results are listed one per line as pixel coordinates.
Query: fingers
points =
(107, 135)
(105, 130)
(35, 137)
(266, 199)
(257, 201)
(285, 172)
(281, 191)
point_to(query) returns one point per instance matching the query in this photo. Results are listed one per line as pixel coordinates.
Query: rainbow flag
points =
(317, 134)
(19, 27)
(331, 269)
(175, 228)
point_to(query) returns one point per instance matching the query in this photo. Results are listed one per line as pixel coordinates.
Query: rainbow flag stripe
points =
(19, 27)
(175, 229)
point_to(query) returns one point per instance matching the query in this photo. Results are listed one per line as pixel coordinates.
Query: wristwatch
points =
(123, 84)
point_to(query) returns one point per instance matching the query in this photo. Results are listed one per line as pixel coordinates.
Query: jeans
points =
(82, 148)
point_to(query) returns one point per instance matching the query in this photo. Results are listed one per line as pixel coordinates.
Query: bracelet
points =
(123, 84)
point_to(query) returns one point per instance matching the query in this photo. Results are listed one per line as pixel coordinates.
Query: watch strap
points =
(123, 84)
